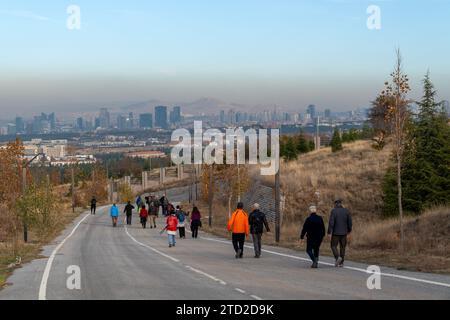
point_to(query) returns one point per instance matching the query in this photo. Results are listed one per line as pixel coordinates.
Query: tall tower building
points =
(161, 117)
(146, 121)
(104, 118)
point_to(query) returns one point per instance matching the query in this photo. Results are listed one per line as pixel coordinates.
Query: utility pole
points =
(24, 189)
(210, 194)
(73, 189)
(277, 206)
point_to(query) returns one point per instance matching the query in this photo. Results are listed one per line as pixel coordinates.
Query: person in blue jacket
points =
(114, 212)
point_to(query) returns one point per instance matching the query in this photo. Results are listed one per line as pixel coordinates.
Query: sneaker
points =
(238, 254)
(341, 263)
(338, 262)
(170, 246)
(315, 265)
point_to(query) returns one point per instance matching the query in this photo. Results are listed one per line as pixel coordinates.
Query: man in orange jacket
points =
(238, 226)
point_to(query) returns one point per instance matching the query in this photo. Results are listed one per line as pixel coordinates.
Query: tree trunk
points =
(400, 206)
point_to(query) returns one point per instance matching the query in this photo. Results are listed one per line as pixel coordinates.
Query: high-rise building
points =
(161, 117)
(311, 110)
(52, 121)
(145, 121)
(80, 123)
(11, 129)
(222, 116)
(20, 125)
(327, 114)
(122, 122)
(231, 117)
(175, 115)
(104, 118)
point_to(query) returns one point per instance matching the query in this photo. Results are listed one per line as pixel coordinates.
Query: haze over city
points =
(254, 53)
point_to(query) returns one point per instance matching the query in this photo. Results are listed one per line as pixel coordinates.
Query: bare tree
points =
(396, 92)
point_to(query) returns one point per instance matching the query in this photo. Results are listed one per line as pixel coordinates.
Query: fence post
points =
(277, 206)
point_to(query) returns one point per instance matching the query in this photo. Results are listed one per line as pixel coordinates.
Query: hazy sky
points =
(289, 53)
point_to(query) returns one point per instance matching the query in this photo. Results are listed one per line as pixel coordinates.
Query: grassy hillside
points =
(355, 175)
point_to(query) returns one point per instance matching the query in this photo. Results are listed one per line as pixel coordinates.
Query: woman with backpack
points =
(196, 222)
(181, 216)
(143, 214)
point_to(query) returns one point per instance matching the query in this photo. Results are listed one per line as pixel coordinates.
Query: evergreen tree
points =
(290, 150)
(336, 141)
(302, 144)
(426, 167)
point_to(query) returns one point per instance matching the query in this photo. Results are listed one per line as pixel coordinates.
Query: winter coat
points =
(128, 209)
(114, 212)
(340, 223)
(238, 222)
(313, 228)
(143, 213)
(257, 221)
(172, 223)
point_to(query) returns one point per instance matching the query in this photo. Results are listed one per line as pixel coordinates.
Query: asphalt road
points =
(133, 263)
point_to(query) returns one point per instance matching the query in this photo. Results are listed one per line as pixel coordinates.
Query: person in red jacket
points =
(172, 226)
(143, 214)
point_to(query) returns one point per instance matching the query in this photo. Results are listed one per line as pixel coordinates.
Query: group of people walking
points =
(176, 218)
(241, 224)
(339, 229)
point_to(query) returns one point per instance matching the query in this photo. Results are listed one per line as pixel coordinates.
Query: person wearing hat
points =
(314, 230)
(257, 221)
(339, 228)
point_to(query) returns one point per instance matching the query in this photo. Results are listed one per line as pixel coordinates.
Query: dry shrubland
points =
(353, 174)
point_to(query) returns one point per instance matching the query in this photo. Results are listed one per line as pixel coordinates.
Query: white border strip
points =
(48, 266)
(392, 275)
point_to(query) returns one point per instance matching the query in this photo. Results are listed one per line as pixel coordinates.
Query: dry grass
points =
(31, 250)
(355, 175)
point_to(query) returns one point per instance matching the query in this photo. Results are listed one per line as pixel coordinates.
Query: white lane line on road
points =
(148, 247)
(392, 275)
(240, 290)
(48, 266)
(207, 275)
(255, 297)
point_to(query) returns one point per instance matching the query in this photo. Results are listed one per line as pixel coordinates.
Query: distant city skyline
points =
(254, 53)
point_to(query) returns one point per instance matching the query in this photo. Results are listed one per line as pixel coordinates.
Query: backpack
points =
(258, 222)
(181, 217)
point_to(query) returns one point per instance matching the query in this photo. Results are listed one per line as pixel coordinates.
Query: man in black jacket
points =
(339, 227)
(314, 229)
(257, 221)
(129, 212)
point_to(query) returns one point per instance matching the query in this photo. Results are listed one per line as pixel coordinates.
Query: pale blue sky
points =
(289, 53)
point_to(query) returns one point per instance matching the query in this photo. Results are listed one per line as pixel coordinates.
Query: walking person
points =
(239, 227)
(257, 221)
(128, 210)
(196, 222)
(164, 205)
(181, 216)
(339, 230)
(143, 214)
(114, 213)
(171, 227)
(138, 201)
(93, 205)
(314, 230)
(153, 209)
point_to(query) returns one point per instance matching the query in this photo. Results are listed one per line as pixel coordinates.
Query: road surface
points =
(133, 263)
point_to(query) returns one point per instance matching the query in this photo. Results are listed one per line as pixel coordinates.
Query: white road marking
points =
(392, 275)
(48, 266)
(207, 275)
(239, 290)
(148, 247)
(255, 297)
